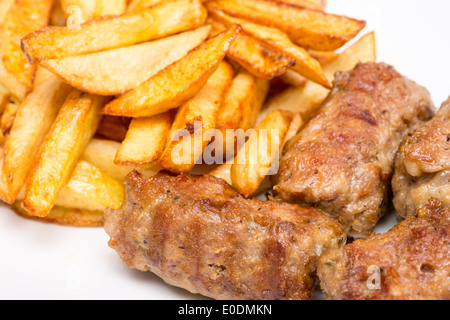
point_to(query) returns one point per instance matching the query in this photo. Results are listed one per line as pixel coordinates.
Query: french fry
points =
(9, 114)
(90, 188)
(101, 153)
(116, 71)
(305, 64)
(223, 172)
(23, 17)
(145, 140)
(240, 108)
(255, 56)
(305, 100)
(323, 56)
(254, 161)
(312, 29)
(176, 84)
(106, 33)
(91, 9)
(32, 123)
(72, 130)
(199, 113)
(65, 216)
(113, 128)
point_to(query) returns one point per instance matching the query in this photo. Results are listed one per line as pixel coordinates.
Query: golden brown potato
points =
(23, 17)
(180, 81)
(311, 29)
(116, 71)
(305, 64)
(114, 32)
(240, 108)
(72, 130)
(113, 128)
(145, 140)
(101, 153)
(192, 129)
(9, 114)
(32, 123)
(255, 56)
(305, 100)
(260, 153)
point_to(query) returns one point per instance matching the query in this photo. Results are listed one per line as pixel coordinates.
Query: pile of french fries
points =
(91, 90)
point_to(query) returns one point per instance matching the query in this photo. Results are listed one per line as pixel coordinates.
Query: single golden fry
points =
(113, 128)
(71, 132)
(176, 84)
(32, 123)
(116, 71)
(305, 100)
(312, 29)
(195, 122)
(261, 151)
(101, 153)
(113, 32)
(91, 9)
(23, 17)
(255, 56)
(90, 188)
(145, 140)
(65, 216)
(9, 114)
(240, 108)
(305, 64)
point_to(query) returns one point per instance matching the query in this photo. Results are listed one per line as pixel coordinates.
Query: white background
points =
(39, 261)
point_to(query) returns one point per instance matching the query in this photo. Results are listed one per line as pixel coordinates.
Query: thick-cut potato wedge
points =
(91, 9)
(311, 29)
(195, 122)
(71, 132)
(176, 84)
(255, 56)
(32, 123)
(145, 141)
(23, 17)
(101, 153)
(90, 188)
(305, 64)
(113, 32)
(116, 71)
(113, 128)
(9, 114)
(254, 161)
(305, 100)
(65, 216)
(240, 108)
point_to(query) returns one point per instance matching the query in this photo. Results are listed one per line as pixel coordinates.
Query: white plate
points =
(40, 261)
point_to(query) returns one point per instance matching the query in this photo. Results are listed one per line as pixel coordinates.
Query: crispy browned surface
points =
(422, 167)
(199, 234)
(342, 161)
(414, 258)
